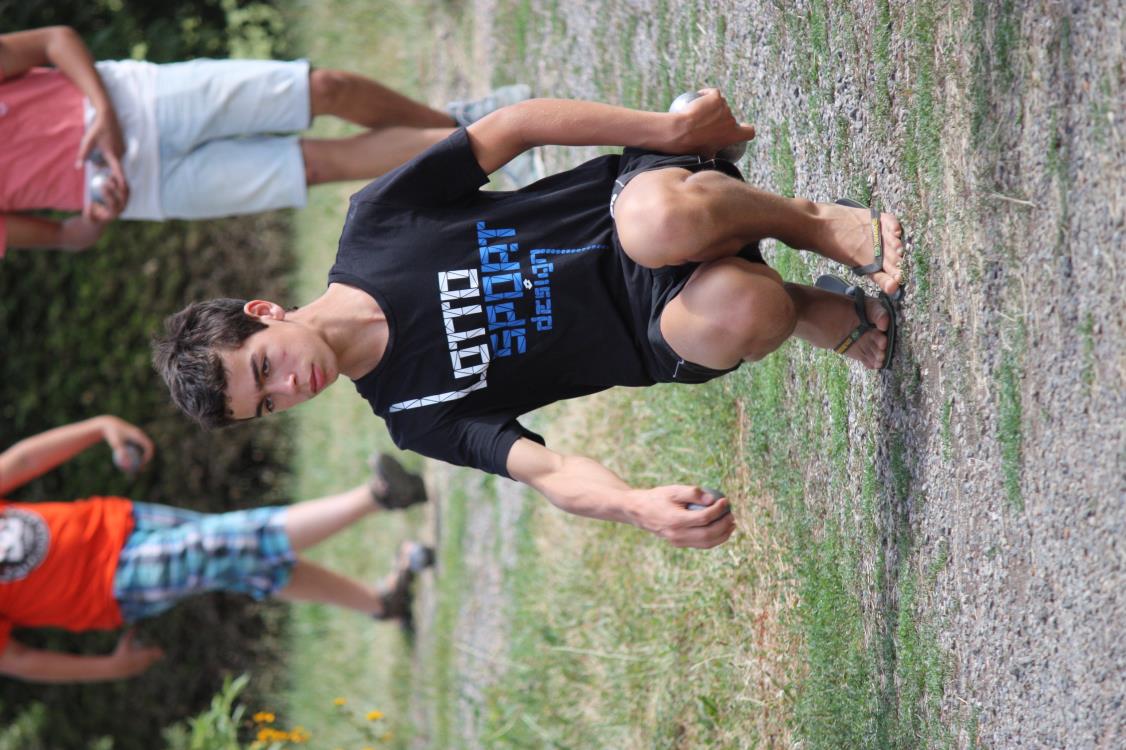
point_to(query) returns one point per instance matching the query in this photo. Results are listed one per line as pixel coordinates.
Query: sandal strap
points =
(877, 263)
(858, 303)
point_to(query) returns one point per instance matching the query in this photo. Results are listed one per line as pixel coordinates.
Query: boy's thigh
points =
(234, 176)
(713, 321)
(202, 100)
(657, 168)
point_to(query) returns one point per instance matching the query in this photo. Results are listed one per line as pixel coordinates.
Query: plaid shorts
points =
(175, 553)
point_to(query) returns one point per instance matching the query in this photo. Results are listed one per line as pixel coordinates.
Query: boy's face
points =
(280, 366)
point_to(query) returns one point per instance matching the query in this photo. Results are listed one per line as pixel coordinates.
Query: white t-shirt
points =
(131, 85)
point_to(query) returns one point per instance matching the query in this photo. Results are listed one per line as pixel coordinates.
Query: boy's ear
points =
(260, 308)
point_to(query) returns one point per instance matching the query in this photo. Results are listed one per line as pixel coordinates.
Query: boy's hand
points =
(705, 126)
(664, 511)
(117, 432)
(130, 658)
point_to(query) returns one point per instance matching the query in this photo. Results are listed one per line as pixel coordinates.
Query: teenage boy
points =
(98, 563)
(456, 311)
(191, 140)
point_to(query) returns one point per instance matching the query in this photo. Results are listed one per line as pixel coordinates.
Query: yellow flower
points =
(264, 717)
(375, 715)
(386, 737)
(339, 701)
(299, 734)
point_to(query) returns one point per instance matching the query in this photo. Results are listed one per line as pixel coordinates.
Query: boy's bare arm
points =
(587, 488)
(62, 47)
(40, 453)
(703, 127)
(75, 233)
(39, 665)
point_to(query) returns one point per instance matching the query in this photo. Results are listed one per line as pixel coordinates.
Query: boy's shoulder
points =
(446, 171)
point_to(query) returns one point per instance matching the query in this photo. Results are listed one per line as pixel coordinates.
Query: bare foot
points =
(847, 238)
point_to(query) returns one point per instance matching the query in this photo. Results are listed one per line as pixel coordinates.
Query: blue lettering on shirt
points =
(481, 312)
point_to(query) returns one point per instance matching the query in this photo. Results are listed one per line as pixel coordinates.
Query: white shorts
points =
(218, 125)
(203, 137)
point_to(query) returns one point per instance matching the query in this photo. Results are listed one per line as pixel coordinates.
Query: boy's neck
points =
(353, 325)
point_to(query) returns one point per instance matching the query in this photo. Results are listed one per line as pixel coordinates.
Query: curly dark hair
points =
(187, 356)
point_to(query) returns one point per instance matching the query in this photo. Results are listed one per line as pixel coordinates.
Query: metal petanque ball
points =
(733, 152)
(99, 176)
(129, 459)
(98, 182)
(715, 494)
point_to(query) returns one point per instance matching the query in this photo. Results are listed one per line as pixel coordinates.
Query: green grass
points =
(1087, 333)
(441, 673)
(1010, 432)
(782, 159)
(332, 653)
(947, 433)
(922, 150)
(883, 65)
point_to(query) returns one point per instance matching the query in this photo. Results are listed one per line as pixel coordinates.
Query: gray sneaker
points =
(395, 590)
(524, 169)
(470, 111)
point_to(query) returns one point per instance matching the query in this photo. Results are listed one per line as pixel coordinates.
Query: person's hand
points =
(706, 125)
(130, 658)
(117, 432)
(104, 134)
(115, 194)
(664, 512)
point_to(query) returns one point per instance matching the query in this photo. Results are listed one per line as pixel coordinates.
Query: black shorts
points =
(652, 288)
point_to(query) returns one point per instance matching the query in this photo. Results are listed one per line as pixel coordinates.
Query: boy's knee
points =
(761, 317)
(314, 158)
(662, 223)
(326, 87)
(775, 318)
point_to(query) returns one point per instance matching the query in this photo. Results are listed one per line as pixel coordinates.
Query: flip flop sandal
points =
(877, 263)
(395, 590)
(840, 286)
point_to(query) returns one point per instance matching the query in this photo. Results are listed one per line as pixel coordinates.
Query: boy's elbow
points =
(14, 660)
(62, 33)
(508, 125)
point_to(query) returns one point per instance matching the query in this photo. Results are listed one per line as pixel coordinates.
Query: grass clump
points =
(1009, 429)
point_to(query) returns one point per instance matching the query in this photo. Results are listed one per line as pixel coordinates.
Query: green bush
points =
(161, 32)
(217, 728)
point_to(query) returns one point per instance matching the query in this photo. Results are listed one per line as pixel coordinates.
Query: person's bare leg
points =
(730, 310)
(672, 216)
(363, 101)
(367, 155)
(391, 598)
(311, 582)
(825, 318)
(312, 521)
